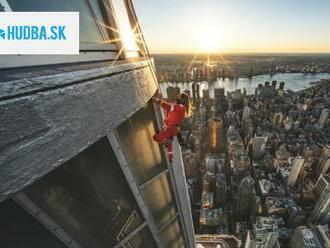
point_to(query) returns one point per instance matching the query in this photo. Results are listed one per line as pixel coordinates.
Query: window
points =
(135, 135)
(158, 196)
(126, 33)
(4, 6)
(89, 198)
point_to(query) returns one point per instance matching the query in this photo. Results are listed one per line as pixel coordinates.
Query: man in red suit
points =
(174, 114)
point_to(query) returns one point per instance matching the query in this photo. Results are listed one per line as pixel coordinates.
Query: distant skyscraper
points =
(321, 213)
(258, 90)
(212, 112)
(193, 87)
(296, 167)
(219, 93)
(259, 146)
(206, 95)
(219, 98)
(246, 113)
(322, 183)
(274, 82)
(324, 163)
(197, 91)
(265, 233)
(246, 197)
(269, 240)
(230, 105)
(200, 115)
(314, 237)
(323, 118)
(215, 133)
(281, 85)
(221, 189)
(241, 164)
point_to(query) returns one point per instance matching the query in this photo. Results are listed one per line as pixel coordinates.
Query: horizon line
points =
(238, 53)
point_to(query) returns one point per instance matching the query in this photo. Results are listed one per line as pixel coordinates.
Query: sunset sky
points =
(246, 26)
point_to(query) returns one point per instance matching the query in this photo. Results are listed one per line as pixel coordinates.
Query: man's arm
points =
(164, 104)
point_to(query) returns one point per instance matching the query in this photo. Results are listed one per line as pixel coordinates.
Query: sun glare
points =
(208, 37)
(207, 41)
(124, 28)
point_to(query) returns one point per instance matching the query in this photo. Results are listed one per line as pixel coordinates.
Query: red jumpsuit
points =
(174, 114)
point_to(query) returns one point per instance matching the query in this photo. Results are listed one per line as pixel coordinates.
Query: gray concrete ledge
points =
(46, 121)
(30, 85)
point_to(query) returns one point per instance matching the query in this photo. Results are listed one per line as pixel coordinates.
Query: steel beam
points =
(149, 181)
(113, 139)
(25, 202)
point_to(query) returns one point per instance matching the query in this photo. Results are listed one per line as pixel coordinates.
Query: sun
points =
(208, 41)
(208, 37)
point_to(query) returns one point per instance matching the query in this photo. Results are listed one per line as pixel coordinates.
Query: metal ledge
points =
(177, 173)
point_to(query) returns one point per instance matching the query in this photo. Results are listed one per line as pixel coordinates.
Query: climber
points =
(175, 113)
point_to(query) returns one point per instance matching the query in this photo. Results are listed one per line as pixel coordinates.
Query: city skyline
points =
(248, 26)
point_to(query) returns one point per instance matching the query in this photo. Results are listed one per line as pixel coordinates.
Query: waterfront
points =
(293, 81)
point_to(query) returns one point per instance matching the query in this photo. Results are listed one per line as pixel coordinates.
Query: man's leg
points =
(169, 149)
(163, 136)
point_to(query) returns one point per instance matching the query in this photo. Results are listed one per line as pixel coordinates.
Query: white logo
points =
(39, 32)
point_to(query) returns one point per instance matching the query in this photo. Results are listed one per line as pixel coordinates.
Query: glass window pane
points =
(89, 198)
(124, 27)
(171, 236)
(97, 10)
(159, 198)
(88, 29)
(135, 135)
(19, 229)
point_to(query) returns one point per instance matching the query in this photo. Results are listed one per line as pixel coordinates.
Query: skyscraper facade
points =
(321, 213)
(317, 236)
(323, 118)
(259, 146)
(324, 162)
(79, 167)
(246, 197)
(215, 135)
(296, 167)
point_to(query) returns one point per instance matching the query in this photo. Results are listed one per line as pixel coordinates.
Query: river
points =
(293, 81)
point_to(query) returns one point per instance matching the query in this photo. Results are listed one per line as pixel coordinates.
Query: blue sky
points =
(235, 25)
